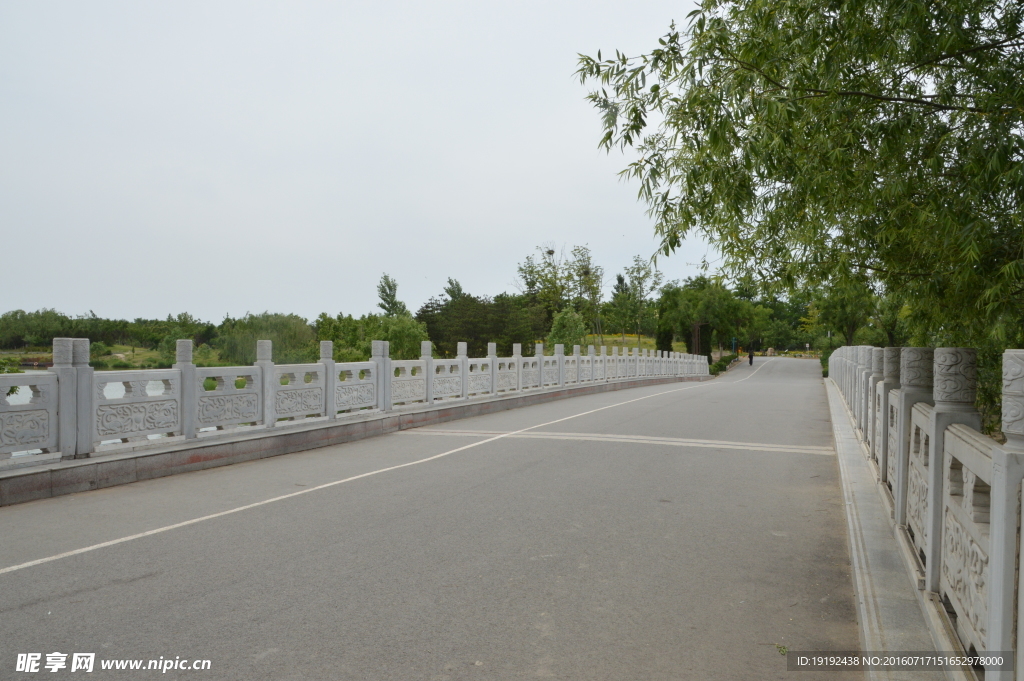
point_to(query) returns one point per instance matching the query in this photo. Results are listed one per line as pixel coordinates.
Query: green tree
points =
(291, 335)
(387, 291)
(817, 141)
(568, 328)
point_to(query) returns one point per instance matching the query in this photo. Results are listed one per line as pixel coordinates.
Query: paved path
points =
(670, 532)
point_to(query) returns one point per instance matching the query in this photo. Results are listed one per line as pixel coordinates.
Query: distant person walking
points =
(751, 358)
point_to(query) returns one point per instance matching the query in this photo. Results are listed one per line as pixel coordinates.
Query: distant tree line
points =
(560, 299)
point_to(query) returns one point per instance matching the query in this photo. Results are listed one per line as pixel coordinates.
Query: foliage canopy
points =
(826, 141)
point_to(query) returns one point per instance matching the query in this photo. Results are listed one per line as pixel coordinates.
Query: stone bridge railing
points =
(954, 493)
(75, 412)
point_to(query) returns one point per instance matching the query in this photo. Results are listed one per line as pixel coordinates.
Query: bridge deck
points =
(664, 532)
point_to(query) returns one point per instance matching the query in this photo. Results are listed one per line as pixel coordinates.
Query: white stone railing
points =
(73, 411)
(954, 493)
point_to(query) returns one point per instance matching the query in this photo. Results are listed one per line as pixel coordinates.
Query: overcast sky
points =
(220, 158)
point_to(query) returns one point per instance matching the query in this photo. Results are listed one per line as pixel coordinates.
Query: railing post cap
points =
(426, 349)
(877, 361)
(80, 352)
(1013, 399)
(264, 350)
(462, 348)
(559, 348)
(517, 349)
(183, 351)
(62, 352)
(916, 367)
(492, 349)
(379, 348)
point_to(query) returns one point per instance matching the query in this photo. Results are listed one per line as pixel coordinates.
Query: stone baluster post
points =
(890, 381)
(576, 358)
(264, 360)
(427, 356)
(538, 349)
(874, 378)
(955, 389)
(560, 359)
(380, 355)
(611, 364)
(863, 396)
(916, 366)
(85, 421)
(462, 354)
(189, 387)
(592, 354)
(492, 363)
(330, 379)
(67, 396)
(848, 376)
(1007, 474)
(517, 359)
(851, 371)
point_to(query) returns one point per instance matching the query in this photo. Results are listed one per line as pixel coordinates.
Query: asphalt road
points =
(682, 531)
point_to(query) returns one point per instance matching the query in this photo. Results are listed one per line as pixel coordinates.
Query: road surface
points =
(680, 531)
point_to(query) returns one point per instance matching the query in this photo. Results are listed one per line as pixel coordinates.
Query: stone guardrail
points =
(954, 493)
(75, 412)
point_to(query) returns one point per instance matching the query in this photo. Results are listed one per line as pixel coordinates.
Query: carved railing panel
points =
(478, 381)
(409, 381)
(507, 375)
(586, 369)
(299, 390)
(447, 378)
(890, 428)
(963, 576)
(135, 404)
(229, 396)
(917, 477)
(28, 419)
(571, 369)
(531, 373)
(356, 387)
(549, 371)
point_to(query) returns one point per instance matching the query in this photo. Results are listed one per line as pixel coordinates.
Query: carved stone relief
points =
(480, 383)
(416, 389)
(916, 367)
(507, 380)
(1013, 393)
(965, 573)
(891, 364)
(917, 505)
(956, 375)
(447, 386)
(301, 401)
(354, 395)
(217, 408)
(123, 419)
(24, 429)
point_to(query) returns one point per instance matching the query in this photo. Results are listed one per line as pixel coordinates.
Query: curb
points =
(891, 612)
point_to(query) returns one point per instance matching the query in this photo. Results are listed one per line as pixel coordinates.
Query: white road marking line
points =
(633, 439)
(193, 521)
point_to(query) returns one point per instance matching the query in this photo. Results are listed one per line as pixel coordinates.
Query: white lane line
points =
(632, 439)
(167, 528)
